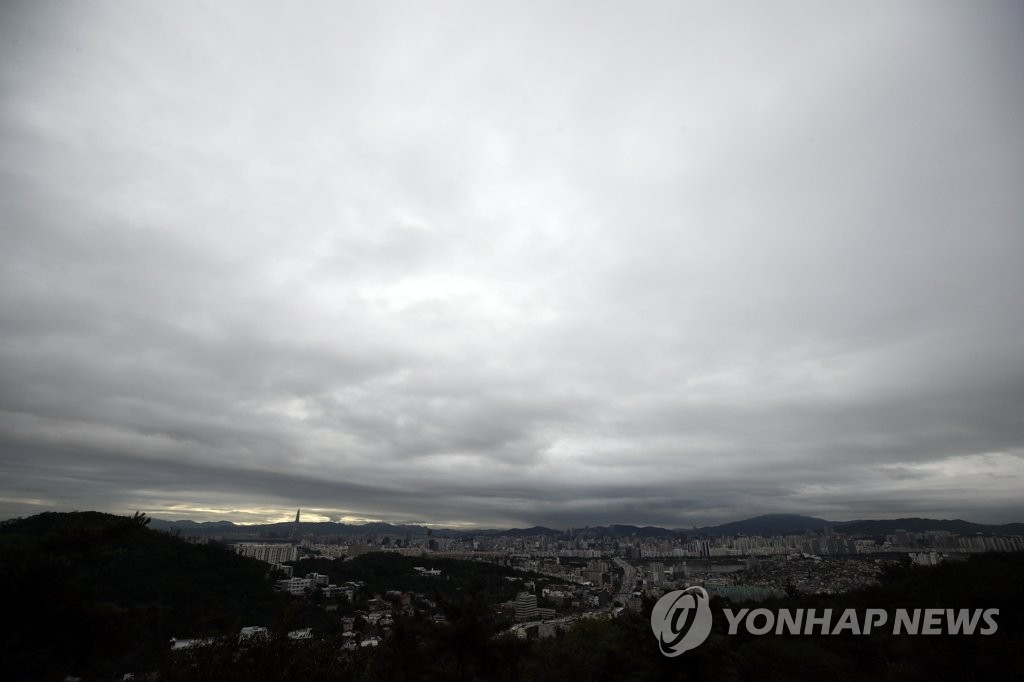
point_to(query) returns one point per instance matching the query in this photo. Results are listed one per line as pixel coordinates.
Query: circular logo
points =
(681, 620)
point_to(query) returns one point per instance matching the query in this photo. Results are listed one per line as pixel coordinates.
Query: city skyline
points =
(512, 265)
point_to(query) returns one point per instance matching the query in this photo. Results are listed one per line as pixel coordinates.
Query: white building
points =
(253, 633)
(269, 552)
(526, 606)
(295, 586)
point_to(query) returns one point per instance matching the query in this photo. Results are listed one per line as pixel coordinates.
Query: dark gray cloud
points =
(523, 263)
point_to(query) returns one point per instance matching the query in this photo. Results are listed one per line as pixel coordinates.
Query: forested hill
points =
(82, 591)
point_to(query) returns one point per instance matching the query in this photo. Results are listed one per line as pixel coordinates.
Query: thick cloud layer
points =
(512, 263)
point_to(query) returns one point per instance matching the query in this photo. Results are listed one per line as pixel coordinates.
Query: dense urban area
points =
(135, 598)
(585, 573)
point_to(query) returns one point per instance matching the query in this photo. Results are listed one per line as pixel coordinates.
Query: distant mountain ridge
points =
(788, 524)
(769, 524)
(917, 525)
(765, 525)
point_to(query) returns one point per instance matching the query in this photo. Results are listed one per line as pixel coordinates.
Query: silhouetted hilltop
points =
(87, 593)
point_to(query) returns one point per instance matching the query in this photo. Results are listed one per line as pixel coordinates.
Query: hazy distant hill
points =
(286, 529)
(624, 530)
(915, 525)
(786, 524)
(768, 524)
(186, 524)
(526, 532)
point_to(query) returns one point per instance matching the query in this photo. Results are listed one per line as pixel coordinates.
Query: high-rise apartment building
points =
(269, 552)
(526, 606)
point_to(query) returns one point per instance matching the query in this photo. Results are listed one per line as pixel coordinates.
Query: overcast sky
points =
(512, 263)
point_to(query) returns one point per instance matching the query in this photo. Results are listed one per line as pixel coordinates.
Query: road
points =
(629, 577)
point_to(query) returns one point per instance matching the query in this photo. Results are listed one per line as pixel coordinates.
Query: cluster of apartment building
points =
(548, 548)
(270, 552)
